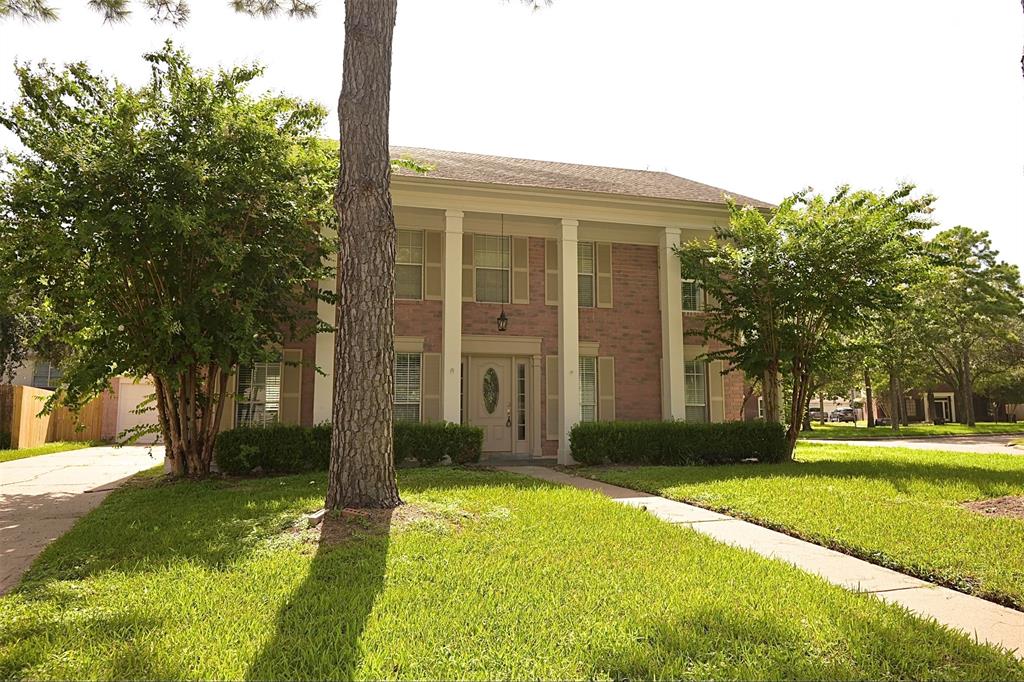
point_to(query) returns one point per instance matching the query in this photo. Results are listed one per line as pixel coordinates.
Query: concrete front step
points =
(982, 619)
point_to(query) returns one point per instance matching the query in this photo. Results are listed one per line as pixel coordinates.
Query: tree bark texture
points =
(930, 397)
(798, 404)
(362, 470)
(968, 389)
(894, 402)
(771, 394)
(869, 401)
(189, 411)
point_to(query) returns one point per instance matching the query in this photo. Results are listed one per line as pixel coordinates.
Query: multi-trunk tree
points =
(791, 281)
(173, 231)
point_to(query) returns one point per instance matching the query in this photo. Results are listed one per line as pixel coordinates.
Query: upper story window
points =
(409, 265)
(588, 388)
(407, 386)
(585, 273)
(693, 296)
(45, 375)
(258, 399)
(492, 261)
(695, 381)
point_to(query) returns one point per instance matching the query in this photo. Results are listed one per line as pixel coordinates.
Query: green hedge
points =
(282, 449)
(676, 443)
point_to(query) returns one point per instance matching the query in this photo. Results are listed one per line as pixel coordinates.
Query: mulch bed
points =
(1010, 506)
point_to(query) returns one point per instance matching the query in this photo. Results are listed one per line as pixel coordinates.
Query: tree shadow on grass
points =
(320, 625)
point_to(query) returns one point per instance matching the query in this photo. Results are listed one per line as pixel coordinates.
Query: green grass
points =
(47, 449)
(896, 507)
(506, 577)
(839, 431)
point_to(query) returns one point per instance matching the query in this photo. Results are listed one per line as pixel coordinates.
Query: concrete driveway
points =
(42, 497)
(989, 444)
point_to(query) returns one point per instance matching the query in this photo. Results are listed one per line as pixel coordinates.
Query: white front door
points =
(490, 401)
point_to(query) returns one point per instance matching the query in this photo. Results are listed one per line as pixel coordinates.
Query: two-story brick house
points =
(600, 321)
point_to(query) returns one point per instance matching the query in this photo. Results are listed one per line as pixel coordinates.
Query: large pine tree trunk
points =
(362, 471)
(869, 402)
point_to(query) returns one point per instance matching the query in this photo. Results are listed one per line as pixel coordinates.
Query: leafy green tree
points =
(971, 297)
(792, 280)
(173, 230)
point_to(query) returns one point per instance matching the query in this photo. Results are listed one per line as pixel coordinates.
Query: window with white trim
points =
(493, 263)
(45, 374)
(693, 296)
(760, 407)
(409, 265)
(407, 386)
(585, 273)
(588, 388)
(695, 381)
(258, 399)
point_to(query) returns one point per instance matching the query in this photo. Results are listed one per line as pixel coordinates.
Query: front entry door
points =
(490, 401)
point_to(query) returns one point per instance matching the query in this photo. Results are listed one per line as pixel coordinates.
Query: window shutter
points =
(550, 272)
(291, 386)
(606, 389)
(551, 426)
(520, 269)
(604, 274)
(468, 276)
(430, 382)
(716, 390)
(433, 265)
(227, 418)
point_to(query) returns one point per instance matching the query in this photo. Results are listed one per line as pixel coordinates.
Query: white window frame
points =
(700, 295)
(522, 402)
(246, 401)
(51, 376)
(588, 407)
(581, 274)
(409, 262)
(760, 407)
(409, 392)
(687, 378)
(505, 257)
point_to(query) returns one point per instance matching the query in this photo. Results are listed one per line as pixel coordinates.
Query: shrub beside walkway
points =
(986, 621)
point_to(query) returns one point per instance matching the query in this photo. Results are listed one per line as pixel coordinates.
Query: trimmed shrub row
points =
(676, 443)
(283, 449)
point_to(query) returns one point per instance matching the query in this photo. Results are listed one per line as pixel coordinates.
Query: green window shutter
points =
(606, 388)
(550, 272)
(551, 426)
(468, 276)
(604, 274)
(433, 266)
(716, 390)
(520, 270)
(431, 382)
(291, 386)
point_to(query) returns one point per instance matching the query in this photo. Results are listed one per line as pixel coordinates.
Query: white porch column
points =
(568, 336)
(451, 342)
(673, 403)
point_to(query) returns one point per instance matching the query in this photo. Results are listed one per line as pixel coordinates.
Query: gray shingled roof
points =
(501, 170)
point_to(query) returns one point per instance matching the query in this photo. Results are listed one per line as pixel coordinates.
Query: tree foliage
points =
(792, 282)
(173, 230)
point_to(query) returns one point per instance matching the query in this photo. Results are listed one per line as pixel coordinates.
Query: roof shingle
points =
(502, 170)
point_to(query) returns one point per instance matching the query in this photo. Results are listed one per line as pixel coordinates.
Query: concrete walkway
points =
(42, 497)
(984, 620)
(987, 444)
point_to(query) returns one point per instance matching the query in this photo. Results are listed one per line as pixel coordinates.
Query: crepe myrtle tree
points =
(788, 282)
(173, 230)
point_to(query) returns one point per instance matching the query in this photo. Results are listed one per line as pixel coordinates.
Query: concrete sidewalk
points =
(984, 620)
(42, 497)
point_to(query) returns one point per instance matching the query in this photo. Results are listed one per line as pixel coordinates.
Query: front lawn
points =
(47, 449)
(494, 576)
(838, 431)
(897, 507)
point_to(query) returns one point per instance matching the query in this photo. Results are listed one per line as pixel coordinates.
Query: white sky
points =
(761, 98)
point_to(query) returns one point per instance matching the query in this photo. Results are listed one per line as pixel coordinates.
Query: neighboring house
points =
(601, 323)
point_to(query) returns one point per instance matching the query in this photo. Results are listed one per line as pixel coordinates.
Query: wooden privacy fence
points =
(29, 429)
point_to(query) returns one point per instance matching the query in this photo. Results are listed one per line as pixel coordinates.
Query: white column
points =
(673, 398)
(451, 342)
(323, 385)
(568, 336)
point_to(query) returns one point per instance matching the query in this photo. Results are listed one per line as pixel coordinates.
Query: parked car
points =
(843, 414)
(816, 414)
